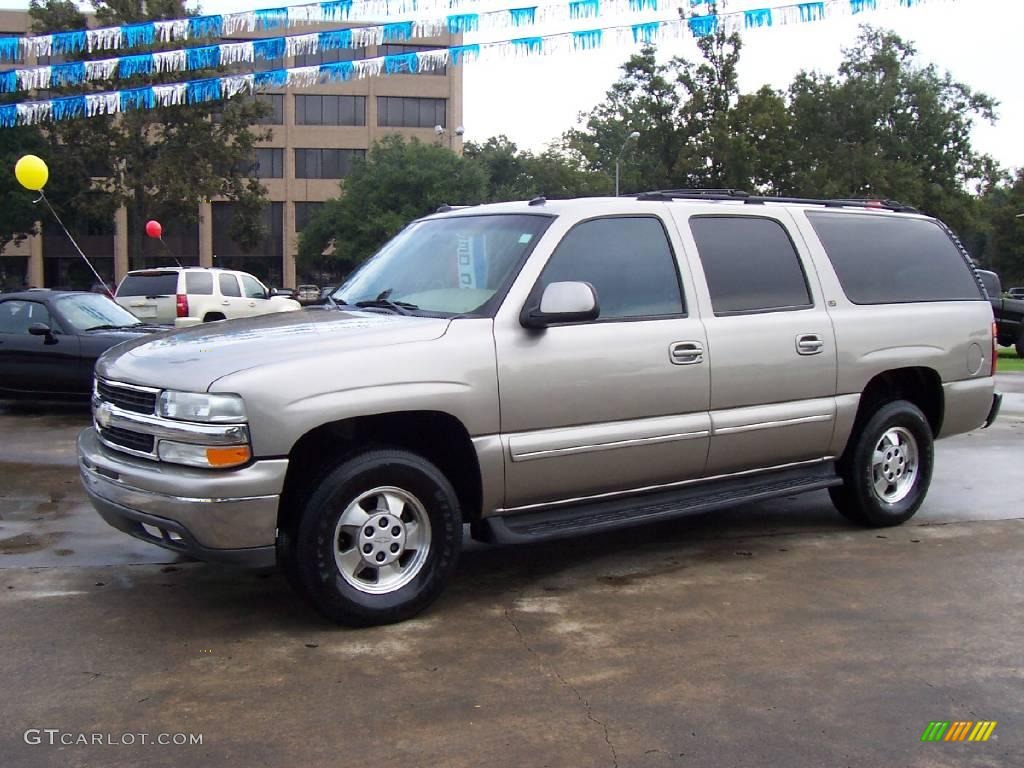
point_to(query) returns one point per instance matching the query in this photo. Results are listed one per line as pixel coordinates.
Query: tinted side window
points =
(17, 316)
(750, 264)
(228, 285)
(253, 290)
(893, 260)
(198, 283)
(627, 260)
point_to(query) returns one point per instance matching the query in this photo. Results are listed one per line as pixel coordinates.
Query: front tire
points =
(887, 468)
(378, 539)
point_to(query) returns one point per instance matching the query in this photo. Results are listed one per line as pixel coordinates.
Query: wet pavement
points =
(770, 634)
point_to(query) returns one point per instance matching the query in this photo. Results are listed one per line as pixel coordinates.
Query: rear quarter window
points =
(893, 260)
(149, 284)
(199, 283)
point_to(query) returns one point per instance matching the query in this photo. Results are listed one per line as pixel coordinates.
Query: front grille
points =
(127, 439)
(126, 398)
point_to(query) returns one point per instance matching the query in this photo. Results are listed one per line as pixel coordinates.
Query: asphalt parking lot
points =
(771, 634)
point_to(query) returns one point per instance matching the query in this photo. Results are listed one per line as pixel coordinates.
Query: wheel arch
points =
(438, 436)
(919, 385)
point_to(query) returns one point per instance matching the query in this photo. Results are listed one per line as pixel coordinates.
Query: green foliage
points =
(882, 126)
(159, 163)
(18, 215)
(514, 174)
(400, 181)
(397, 182)
(1005, 252)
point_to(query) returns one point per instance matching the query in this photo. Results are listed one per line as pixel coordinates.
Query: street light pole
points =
(618, 158)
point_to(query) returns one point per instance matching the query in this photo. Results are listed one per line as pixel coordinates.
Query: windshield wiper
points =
(112, 327)
(383, 302)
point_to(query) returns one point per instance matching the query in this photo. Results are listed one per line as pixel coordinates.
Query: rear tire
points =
(376, 541)
(1019, 346)
(887, 468)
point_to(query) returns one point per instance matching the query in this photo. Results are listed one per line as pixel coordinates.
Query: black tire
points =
(856, 499)
(307, 551)
(210, 317)
(1019, 346)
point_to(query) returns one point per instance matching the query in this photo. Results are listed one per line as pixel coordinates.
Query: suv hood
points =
(192, 359)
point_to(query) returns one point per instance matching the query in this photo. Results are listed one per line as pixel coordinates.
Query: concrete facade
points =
(282, 171)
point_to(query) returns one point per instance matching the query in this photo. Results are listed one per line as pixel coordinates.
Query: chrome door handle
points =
(225, 303)
(686, 352)
(809, 344)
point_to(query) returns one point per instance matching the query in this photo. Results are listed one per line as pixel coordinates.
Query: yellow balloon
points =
(31, 172)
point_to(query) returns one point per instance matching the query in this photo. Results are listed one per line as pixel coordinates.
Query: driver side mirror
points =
(566, 302)
(42, 329)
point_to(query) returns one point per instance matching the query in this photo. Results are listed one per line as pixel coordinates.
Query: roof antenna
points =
(538, 200)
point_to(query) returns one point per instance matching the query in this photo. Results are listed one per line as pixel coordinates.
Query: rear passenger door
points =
(231, 301)
(770, 340)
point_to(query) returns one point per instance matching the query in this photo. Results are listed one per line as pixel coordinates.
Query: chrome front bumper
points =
(227, 516)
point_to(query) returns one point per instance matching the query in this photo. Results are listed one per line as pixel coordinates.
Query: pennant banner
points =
(269, 49)
(444, 17)
(217, 88)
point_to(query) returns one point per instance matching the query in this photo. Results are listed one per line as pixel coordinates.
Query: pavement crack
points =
(588, 710)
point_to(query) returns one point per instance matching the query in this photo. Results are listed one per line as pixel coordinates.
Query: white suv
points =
(188, 296)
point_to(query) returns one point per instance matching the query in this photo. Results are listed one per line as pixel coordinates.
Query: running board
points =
(555, 522)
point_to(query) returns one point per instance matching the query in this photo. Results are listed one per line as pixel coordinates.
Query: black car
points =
(49, 341)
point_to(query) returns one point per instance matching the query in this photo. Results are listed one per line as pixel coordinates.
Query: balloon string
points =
(176, 260)
(42, 196)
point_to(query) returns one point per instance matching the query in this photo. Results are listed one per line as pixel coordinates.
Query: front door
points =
(255, 296)
(613, 404)
(771, 341)
(36, 364)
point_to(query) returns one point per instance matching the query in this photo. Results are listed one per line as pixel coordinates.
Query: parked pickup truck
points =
(1008, 311)
(546, 369)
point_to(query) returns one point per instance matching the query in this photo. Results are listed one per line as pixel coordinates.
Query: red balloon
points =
(153, 229)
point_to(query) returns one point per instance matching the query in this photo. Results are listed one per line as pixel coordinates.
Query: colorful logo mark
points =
(959, 730)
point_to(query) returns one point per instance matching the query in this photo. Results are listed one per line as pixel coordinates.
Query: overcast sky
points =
(533, 100)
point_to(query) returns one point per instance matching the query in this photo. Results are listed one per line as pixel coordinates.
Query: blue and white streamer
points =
(225, 87)
(446, 16)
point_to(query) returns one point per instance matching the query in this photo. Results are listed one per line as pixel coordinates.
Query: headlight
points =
(197, 406)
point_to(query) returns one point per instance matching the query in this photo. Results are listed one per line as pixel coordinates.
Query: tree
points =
(695, 128)
(158, 163)
(18, 215)
(887, 126)
(397, 182)
(514, 174)
(1005, 252)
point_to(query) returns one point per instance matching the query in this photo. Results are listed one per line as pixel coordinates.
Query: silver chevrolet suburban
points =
(544, 369)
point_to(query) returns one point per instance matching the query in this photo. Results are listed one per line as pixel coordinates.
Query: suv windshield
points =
(149, 284)
(88, 311)
(447, 266)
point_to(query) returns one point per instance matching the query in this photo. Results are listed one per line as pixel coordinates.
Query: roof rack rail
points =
(740, 196)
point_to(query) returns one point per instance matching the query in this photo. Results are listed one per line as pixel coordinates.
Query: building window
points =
(276, 103)
(411, 112)
(393, 49)
(263, 261)
(325, 163)
(330, 110)
(304, 212)
(266, 163)
(330, 57)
